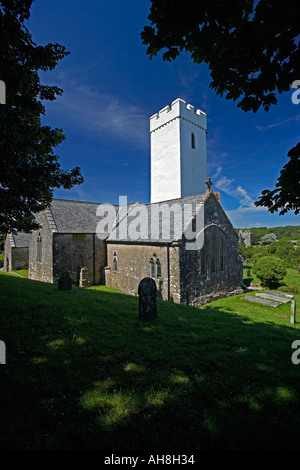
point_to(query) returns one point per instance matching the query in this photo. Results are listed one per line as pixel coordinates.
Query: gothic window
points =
(155, 267)
(115, 261)
(39, 249)
(202, 260)
(221, 254)
(193, 140)
(152, 268)
(158, 269)
(213, 255)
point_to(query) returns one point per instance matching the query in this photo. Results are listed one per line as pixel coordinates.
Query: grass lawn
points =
(82, 372)
(22, 272)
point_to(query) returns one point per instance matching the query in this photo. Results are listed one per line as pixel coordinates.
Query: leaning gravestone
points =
(65, 282)
(147, 299)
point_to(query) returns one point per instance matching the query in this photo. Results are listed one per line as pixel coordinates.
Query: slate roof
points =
(19, 239)
(66, 216)
(73, 216)
(152, 228)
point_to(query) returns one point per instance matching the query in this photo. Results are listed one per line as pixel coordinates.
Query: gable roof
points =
(67, 216)
(19, 239)
(148, 217)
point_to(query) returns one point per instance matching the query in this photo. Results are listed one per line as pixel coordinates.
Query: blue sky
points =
(111, 88)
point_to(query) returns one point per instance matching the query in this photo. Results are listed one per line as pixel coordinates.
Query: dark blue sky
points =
(111, 88)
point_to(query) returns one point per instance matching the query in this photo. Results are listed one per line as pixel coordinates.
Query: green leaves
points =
(29, 169)
(251, 52)
(286, 196)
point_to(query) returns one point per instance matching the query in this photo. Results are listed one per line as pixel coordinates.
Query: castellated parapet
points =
(178, 152)
(179, 109)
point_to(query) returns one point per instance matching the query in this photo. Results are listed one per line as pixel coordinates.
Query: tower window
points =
(193, 140)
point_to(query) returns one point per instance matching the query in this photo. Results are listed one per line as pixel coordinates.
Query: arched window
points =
(222, 254)
(155, 267)
(152, 268)
(39, 249)
(158, 269)
(193, 140)
(213, 255)
(202, 261)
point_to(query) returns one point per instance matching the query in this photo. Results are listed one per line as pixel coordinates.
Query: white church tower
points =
(178, 152)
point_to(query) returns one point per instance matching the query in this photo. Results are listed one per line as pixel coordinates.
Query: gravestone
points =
(65, 282)
(147, 299)
(84, 278)
(274, 296)
(268, 302)
(2, 352)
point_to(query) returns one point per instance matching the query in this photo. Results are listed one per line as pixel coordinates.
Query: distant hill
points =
(291, 232)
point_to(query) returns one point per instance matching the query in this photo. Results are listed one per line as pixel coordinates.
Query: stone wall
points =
(128, 263)
(14, 257)
(19, 256)
(245, 238)
(7, 255)
(41, 266)
(219, 273)
(71, 252)
(65, 252)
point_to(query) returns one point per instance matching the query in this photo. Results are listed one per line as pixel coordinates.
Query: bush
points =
(270, 271)
(284, 289)
(294, 289)
(289, 289)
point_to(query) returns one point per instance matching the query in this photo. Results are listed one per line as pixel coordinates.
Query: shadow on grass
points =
(83, 372)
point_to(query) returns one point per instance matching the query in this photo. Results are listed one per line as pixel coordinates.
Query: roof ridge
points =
(180, 198)
(72, 200)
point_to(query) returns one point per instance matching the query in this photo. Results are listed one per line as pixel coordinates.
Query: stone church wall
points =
(129, 263)
(215, 271)
(40, 264)
(72, 251)
(14, 257)
(65, 252)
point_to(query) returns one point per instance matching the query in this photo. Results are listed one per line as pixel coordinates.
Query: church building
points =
(183, 238)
